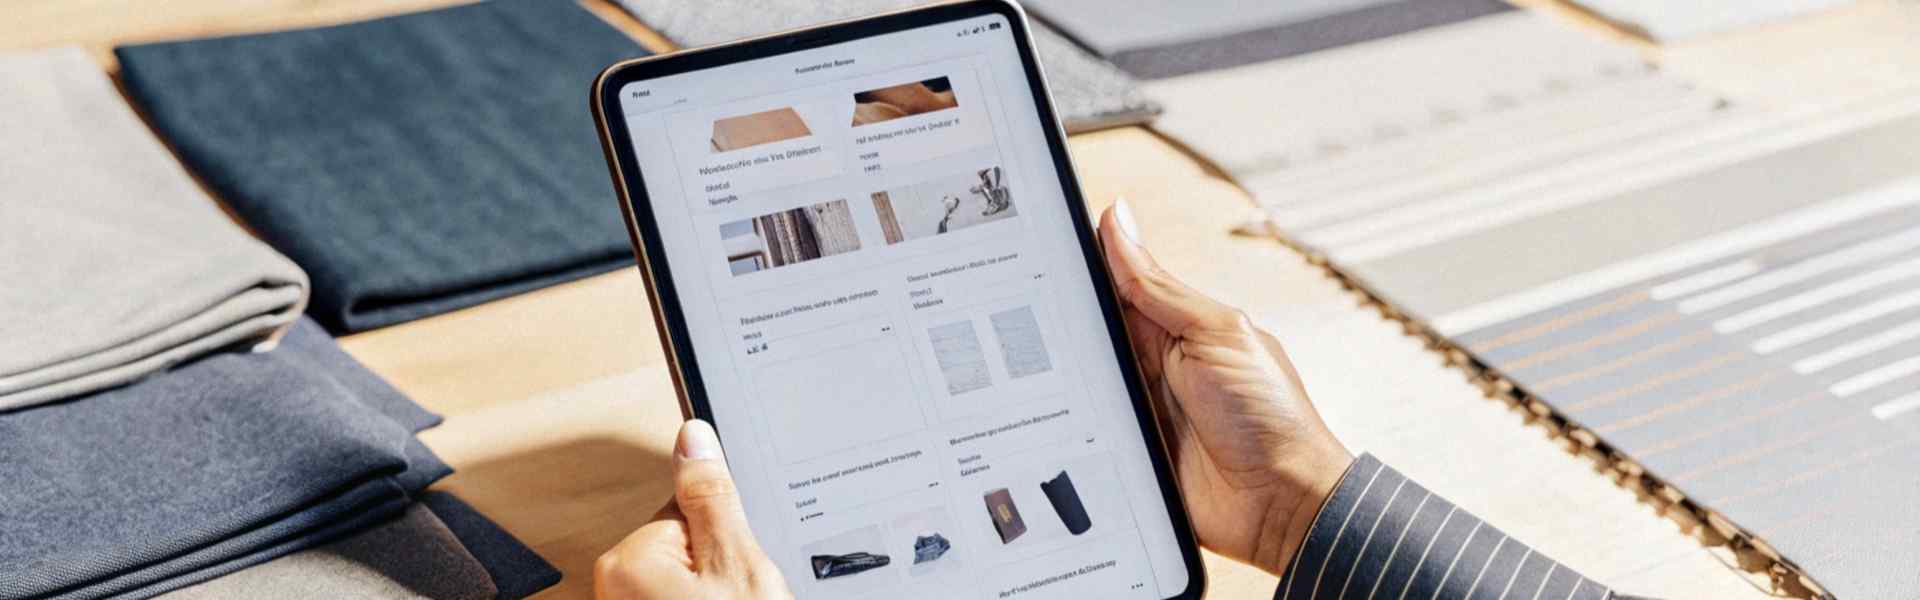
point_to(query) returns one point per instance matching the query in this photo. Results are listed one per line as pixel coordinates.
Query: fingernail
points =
(698, 441)
(1123, 214)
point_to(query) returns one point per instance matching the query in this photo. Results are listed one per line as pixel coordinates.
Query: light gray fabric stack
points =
(113, 263)
(410, 558)
(1088, 92)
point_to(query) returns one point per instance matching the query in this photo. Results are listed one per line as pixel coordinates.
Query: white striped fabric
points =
(1383, 536)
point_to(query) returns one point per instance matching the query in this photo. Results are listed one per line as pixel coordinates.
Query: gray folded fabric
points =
(414, 164)
(1155, 40)
(1088, 92)
(116, 265)
(516, 570)
(414, 557)
(1669, 22)
(223, 463)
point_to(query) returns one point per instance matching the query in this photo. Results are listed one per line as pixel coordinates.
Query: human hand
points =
(698, 545)
(1252, 457)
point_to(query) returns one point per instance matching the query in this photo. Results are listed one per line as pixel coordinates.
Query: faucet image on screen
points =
(1066, 503)
(993, 190)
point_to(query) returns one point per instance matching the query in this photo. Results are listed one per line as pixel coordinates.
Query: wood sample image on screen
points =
(789, 236)
(904, 100)
(746, 131)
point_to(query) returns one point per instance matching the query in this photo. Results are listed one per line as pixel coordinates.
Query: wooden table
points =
(560, 413)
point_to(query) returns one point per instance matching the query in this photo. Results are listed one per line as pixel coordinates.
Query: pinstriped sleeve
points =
(1381, 536)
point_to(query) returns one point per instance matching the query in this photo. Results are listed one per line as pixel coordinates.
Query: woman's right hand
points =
(1253, 459)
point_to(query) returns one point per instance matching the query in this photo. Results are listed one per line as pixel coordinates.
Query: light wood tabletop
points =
(560, 412)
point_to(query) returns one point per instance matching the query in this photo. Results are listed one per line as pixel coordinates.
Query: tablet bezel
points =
(643, 230)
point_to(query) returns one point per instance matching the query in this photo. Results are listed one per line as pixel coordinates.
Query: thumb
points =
(1162, 299)
(717, 534)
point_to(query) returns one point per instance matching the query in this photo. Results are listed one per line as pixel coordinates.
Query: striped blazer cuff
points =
(1381, 536)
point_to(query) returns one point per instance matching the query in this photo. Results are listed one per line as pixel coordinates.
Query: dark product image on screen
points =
(827, 566)
(1066, 503)
(929, 548)
(1006, 516)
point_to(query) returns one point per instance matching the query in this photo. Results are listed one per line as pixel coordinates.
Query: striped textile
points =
(1383, 536)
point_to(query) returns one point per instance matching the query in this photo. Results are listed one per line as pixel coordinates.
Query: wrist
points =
(1284, 529)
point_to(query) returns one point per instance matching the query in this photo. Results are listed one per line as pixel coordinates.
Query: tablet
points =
(874, 273)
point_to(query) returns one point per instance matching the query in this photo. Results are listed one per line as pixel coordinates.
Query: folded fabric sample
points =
(221, 464)
(413, 165)
(117, 265)
(414, 557)
(1446, 122)
(1758, 354)
(1088, 92)
(515, 569)
(1673, 21)
(1152, 39)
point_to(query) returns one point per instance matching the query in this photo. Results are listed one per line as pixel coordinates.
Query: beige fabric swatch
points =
(117, 264)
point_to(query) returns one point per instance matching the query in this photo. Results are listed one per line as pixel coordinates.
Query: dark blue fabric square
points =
(412, 165)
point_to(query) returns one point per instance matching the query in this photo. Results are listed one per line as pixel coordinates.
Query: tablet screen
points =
(895, 327)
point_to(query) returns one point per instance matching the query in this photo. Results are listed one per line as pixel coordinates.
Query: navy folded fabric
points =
(516, 570)
(220, 464)
(412, 165)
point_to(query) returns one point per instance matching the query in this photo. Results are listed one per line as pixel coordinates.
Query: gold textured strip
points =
(1648, 384)
(1591, 313)
(1624, 333)
(1656, 414)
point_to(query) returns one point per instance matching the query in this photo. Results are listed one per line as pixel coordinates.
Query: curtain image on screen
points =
(962, 362)
(1021, 344)
(788, 237)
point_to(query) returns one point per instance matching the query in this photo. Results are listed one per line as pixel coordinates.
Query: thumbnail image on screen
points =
(790, 236)
(904, 100)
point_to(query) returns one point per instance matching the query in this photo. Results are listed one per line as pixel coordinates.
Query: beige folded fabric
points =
(113, 263)
(413, 557)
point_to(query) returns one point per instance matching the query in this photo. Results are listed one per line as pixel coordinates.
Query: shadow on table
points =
(569, 502)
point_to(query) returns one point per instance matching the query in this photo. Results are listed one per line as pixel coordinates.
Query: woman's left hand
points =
(698, 545)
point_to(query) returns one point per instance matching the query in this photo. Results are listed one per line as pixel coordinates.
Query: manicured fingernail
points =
(698, 441)
(1123, 214)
